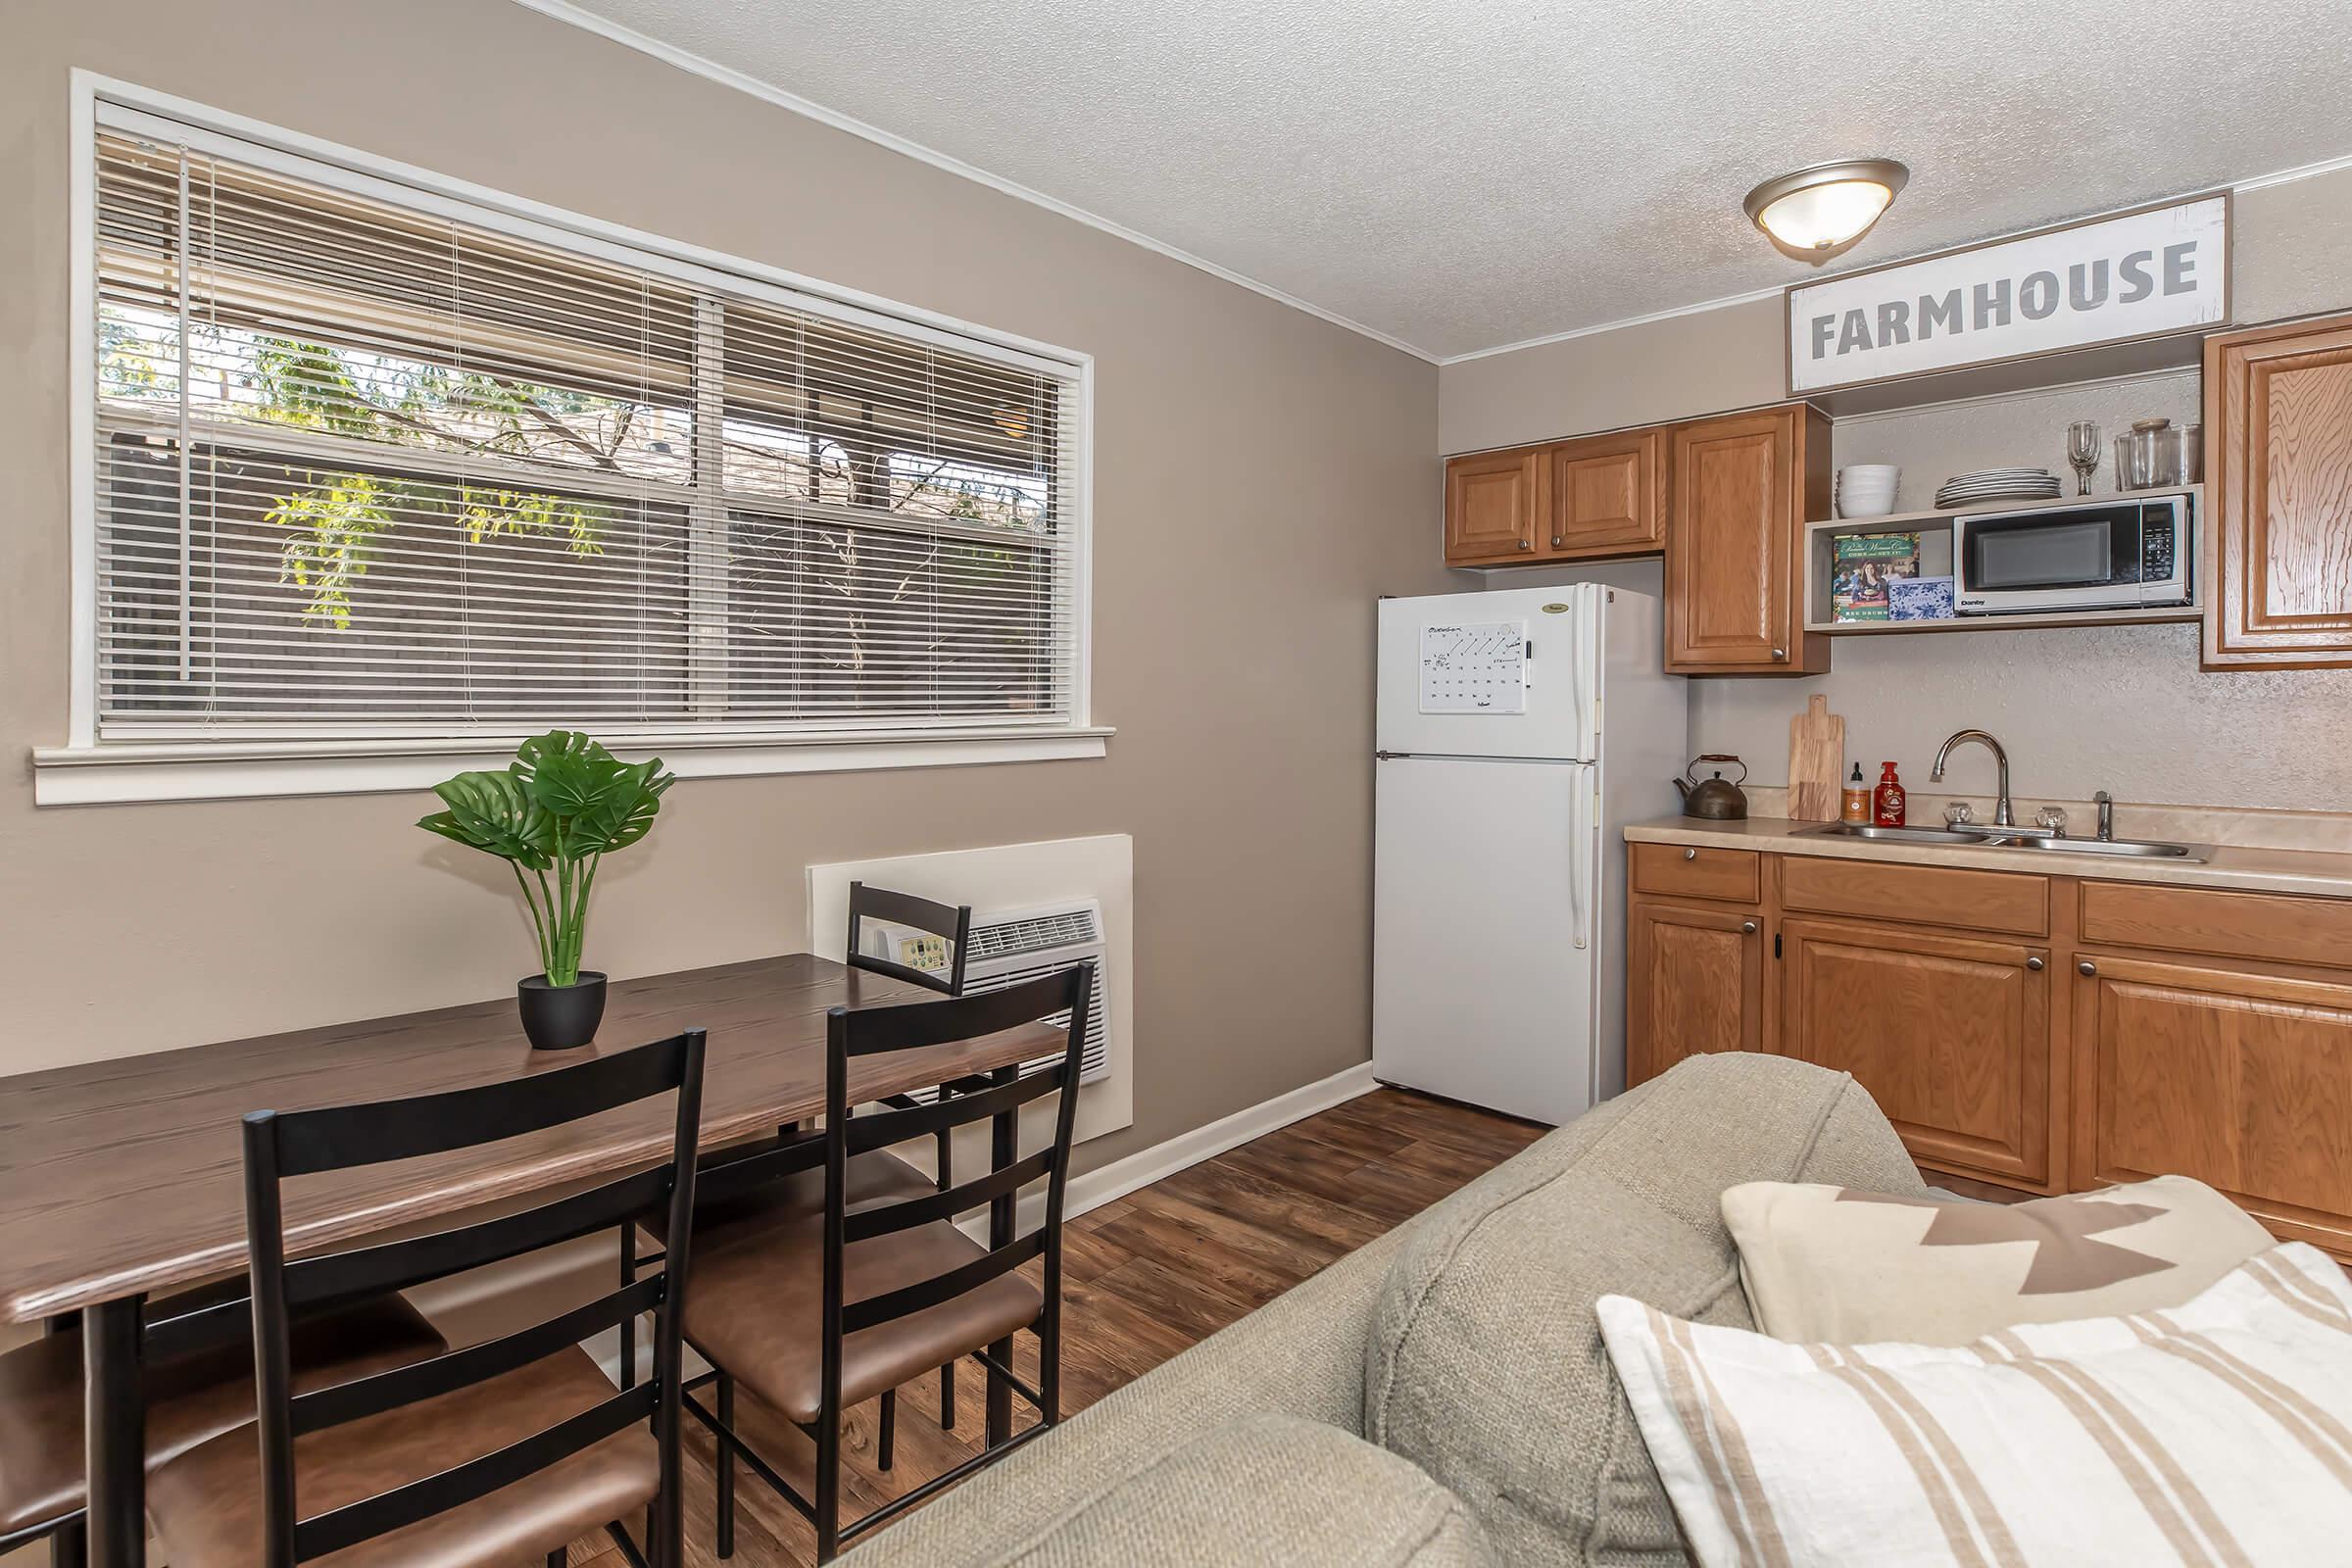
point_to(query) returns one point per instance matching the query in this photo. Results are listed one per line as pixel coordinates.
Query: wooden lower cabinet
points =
(1697, 985)
(2242, 1080)
(1950, 1034)
(2034, 1034)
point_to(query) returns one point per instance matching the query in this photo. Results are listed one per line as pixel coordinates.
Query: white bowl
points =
(1870, 470)
(1878, 507)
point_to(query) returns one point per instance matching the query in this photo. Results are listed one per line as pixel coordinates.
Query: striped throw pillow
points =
(2216, 1432)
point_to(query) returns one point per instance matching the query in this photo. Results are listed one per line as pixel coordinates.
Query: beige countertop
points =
(2326, 873)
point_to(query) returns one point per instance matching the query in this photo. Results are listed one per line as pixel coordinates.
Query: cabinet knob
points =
(1748, 927)
(1780, 653)
(1689, 855)
(1558, 541)
(1526, 544)
(2087, 968)
(2033, 960)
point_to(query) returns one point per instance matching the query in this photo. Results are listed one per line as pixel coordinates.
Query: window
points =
(370, 464)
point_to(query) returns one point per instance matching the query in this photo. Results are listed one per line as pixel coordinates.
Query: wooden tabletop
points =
(121, 1177)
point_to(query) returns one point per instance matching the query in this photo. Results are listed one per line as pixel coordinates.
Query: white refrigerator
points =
(1517, 732)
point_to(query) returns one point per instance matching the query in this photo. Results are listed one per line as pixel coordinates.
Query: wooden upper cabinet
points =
(1742, 487)
(1949, 1034)
(1495, 506)
(1694, 984)
(2278, 525)
(1607, 495)
(2243, 1081)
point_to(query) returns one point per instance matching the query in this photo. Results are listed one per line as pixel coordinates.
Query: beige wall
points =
(1251, 462)
(2122, 707)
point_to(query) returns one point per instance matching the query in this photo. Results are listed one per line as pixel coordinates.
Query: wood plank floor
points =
(1145, 1276)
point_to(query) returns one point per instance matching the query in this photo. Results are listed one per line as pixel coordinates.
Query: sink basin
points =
(2143, 849)
(1897, 835)
(2039, 840)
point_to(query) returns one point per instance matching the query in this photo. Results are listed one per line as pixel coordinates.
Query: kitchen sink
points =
(1897, 835)
(1984, 836)
(2143, 849)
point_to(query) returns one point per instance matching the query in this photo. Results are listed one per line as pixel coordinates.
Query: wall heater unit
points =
(1009, 945)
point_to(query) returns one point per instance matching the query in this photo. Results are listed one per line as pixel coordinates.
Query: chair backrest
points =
(874, 1031)
(950, 922)
(282, 1145)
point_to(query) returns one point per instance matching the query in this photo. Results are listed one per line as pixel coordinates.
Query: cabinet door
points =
(1949, 1034)
(1609, 495)
(1493, 505)
(1694, 983)
(2243, 1081)
(2278, 497)
(1734, 535)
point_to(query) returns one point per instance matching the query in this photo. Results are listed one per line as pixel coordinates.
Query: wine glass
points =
(2082, 451)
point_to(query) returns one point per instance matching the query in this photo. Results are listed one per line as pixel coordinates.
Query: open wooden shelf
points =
(2101, 617)
(1934, 530)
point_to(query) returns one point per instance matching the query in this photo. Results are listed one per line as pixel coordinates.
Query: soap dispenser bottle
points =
(1856, 805)
(1886, 801)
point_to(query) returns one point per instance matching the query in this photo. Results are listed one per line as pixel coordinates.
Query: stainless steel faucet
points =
(2106, 805)
(2001, 814)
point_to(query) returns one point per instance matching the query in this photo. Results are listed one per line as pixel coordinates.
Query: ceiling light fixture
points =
(1816, 212)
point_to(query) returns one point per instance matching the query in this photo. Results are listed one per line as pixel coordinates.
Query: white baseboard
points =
(1105, 1183)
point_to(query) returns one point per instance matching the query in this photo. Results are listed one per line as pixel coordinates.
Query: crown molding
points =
(1623, 321)
(2282, 176)
(727, 76)
(565, 11)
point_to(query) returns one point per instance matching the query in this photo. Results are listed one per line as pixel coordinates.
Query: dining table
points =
(121, 1181)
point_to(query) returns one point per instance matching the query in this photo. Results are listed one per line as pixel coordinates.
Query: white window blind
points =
(369, 465)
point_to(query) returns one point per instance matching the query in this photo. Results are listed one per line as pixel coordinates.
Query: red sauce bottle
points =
(1886, 801)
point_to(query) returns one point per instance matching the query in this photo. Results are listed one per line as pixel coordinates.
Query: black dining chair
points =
(509, 1449)
(817, 1311)
(877, 1172)
(196, 1355)
(953, 925)
(949, 923)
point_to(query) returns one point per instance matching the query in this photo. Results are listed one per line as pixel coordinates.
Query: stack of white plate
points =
(1998, 484)
(1867, 489)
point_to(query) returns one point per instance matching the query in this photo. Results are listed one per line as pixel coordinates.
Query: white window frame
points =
(86, 771)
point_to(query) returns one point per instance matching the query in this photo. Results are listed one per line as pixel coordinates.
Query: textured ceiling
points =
(1460, 174)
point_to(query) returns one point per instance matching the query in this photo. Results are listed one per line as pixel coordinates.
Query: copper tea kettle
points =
(1719, 798)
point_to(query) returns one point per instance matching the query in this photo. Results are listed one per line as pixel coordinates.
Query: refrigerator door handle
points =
(1579, 915)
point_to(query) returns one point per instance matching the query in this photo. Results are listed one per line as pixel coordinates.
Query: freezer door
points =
(1446, 692)
(1485, 903)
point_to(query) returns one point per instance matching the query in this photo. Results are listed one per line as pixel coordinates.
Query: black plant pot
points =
(560, 1017)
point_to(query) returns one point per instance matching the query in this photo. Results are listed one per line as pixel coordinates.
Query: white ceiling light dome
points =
(1814, 213)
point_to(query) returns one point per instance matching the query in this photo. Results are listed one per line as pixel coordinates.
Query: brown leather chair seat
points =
(878, 1174)
(207, 1503)
(190, 1398)
(753, 1296)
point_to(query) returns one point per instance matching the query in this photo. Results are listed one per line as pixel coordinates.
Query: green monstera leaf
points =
(561, 806)
(564, 771)
(622, 812)
(493, 813)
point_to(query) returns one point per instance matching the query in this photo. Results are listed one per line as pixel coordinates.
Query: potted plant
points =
(556, 810)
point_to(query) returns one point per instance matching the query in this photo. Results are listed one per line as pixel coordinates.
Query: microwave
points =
(2108, 554)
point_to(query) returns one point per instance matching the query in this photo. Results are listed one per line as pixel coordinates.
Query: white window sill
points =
(122, 773)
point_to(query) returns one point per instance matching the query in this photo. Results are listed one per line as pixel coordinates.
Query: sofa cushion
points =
(2210, 1433)
(1265, 1488)
(1484, 1366)
(1833, 1265)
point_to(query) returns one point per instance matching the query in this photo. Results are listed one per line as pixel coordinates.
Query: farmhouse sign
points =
(2148, 274)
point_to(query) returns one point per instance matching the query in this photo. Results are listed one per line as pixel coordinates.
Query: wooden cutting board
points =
(1816, 751)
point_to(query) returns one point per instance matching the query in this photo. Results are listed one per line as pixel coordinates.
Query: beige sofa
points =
(1440, 1397)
